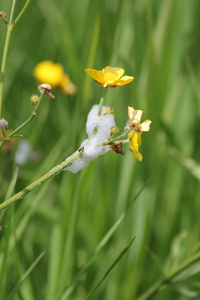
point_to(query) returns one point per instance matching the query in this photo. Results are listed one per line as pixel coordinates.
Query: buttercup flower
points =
(109, 77)
(53, 74)
(48, 72)
(135, 134)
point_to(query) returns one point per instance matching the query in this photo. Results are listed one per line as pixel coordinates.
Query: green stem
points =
(53, 172)
(21, 13)
(7, 40)
(117, 140)
(25, 275)
(3, 65)
(101, 101)
(12, 134)
(110, 268)
(155, 288)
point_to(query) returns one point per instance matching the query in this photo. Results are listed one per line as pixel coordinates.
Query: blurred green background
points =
(157, 42)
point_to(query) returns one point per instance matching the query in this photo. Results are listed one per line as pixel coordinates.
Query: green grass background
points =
(157, 42)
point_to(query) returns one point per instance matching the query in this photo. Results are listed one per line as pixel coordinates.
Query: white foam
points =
(98, 130)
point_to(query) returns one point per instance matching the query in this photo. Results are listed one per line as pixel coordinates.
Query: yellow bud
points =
(3, 16)
(110, 110)
(114, 129)
(34, 99)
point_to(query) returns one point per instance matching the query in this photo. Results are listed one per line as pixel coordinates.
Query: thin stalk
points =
(155, 288)
(10, 27)
(5, 52)
(3, 273)
(26, 274)
(4, 269)
(110, 268)
(101, 101)
(117, 140)
(21, 13)
(53, 172)
(12, 134)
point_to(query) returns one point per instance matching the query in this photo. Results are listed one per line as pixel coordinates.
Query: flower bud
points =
(3, 17)
(34, 99)
(110, 110)
(45, 88)
(114, 129)
(3, 123)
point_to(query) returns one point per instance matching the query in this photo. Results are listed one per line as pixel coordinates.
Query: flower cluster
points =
(113, 77)
(53, 74)
(101, 127)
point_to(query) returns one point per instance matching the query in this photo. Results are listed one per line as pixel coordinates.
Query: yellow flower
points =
(48, 72)
(53, 74)
(135, 134)
(109, 77)
(134, 143)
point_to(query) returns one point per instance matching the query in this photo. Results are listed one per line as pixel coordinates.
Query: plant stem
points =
(154, 289)
(5, 52)
(7, 40)
(101, 101)
(33, 114)
(117, 140)
(53, 172)
(21, 13)
(110, 268)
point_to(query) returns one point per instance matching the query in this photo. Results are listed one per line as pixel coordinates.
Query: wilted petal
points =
(145, 126)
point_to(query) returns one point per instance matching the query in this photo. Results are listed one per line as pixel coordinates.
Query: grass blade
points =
(111, 267)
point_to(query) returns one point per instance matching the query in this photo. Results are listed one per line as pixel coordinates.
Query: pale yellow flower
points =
(135, 134)
(66, 86)
(109, 77)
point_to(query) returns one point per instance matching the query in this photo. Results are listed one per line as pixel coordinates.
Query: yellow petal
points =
(130, 112)
(67, 86)
(112, 74)
(124, 80)
(97, 75)
(138, 156)
(145, 126)
(134, 116)
(135, 142)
